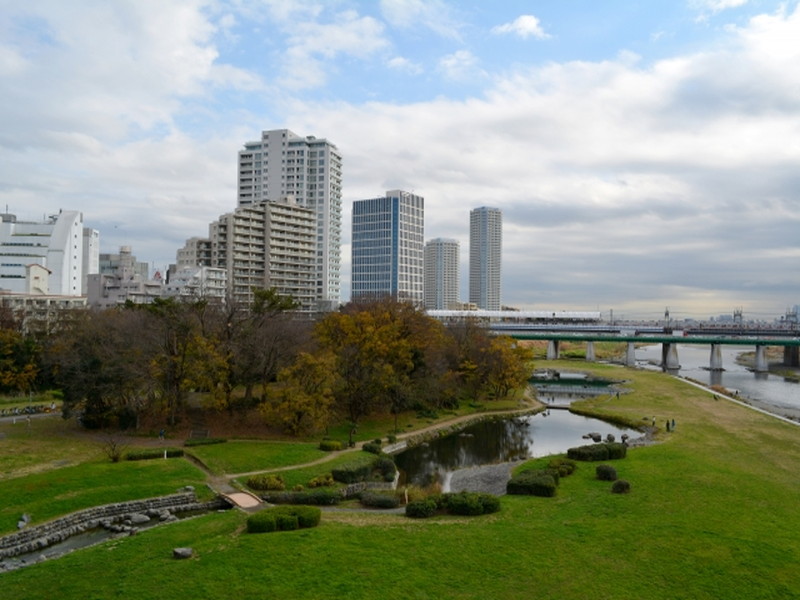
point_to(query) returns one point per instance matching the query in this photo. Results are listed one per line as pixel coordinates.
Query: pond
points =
(501, 440)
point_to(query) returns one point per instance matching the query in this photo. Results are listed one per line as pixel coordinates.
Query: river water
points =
(501, 440)
(694, 359)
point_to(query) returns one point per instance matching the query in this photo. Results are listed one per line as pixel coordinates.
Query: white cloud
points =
(524, 26)
(405, 65)
(435, 15)
(716, 6)
(459, 66)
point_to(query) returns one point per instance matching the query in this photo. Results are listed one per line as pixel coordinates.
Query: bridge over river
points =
(668, 341)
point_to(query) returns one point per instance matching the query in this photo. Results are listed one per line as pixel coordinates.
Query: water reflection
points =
(495, 441)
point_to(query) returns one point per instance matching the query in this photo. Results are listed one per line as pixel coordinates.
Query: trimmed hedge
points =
(268, 481)
(372, 447)
(152, 453)
(330, 445)
(606, 473)
(284, 518)
(204, 441)
(421, 509)
(318, 497)
(533, 483)
(620, 486)
(376, 500)
(460, 503)
(352, 472)
(598, 452)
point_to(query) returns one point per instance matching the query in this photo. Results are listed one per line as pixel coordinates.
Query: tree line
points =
(118, 366)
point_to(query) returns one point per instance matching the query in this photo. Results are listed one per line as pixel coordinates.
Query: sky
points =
(644, 153)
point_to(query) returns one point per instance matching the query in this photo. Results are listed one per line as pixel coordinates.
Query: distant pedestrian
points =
(667, 424)
(161, 434)
(673, 424)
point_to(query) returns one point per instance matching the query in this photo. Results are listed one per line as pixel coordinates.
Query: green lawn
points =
(244, 456)
(712, 514)
(57, 492)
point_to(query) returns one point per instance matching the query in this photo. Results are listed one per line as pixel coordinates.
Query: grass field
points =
(712, 514)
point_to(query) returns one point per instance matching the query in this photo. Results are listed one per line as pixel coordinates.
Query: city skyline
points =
(641, 154)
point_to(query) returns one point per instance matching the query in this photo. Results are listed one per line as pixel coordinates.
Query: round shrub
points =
(267, 481)
(330, 445)
(286, 522)
(307, 516)
(375, 500)
(606, 473)
(321, 481)
(421, 509)
(463, 503)
(490, 503)
(564, 466)
(261, 522)
(386, 467)
(391, 438)
(616, 450)
(371, 447)
(620, 486)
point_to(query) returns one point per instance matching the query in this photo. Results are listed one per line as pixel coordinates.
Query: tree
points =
(301, 401)
(19, 361)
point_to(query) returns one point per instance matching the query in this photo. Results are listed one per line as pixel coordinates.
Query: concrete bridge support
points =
(669, 357)
(590, 356)
(552, 350)
(791, 356)
(715, 362)
(762, 366)
(630, 355)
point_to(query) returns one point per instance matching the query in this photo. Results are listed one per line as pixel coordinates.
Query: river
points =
(777, 391)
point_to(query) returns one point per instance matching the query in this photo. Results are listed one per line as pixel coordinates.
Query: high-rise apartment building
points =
(284, 165)
(485, 256)
(441, 274)
(267, 245)
(388, 247)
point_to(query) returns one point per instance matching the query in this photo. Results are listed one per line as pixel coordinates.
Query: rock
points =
(182, 553)
(610, 438)
(188, 488)
(139, 519)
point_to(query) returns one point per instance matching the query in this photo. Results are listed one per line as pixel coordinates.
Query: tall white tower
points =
(284, 166)
(441, 274)
(485, 256)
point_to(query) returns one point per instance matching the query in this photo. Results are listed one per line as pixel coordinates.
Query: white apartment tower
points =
(284, 165)
(267, 245)
(388, 247)
(485, 255)
(441, 274)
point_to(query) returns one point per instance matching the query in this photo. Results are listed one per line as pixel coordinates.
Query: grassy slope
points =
(712, 514)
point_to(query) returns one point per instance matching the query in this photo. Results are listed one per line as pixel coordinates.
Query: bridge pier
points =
(791, 356)
(552, 350)
(630, 355)
(590, 356)
(715, 362)
(762, 366)
(669, 357)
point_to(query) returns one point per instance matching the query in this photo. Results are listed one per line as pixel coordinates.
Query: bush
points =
(564, 466)
(352, 472)
(267, 481)
(386, 467)
(318, 497)
(261, 522)
(606, 473)
(151, 453)
(592, 452)
(490, 503)
(283, 518)
(421, 509)
(464, 503)
(330, 445)
(204, 441)
(371, 447)
(616, 450)
(322, 481)
(534, 483)
(286, 522)
(374, 500)
(620, 486)
(391, 438)
(377, 441)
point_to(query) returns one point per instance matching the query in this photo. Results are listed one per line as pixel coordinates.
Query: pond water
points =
(501, 440)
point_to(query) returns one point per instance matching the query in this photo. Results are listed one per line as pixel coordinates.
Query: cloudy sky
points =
(644, 154)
